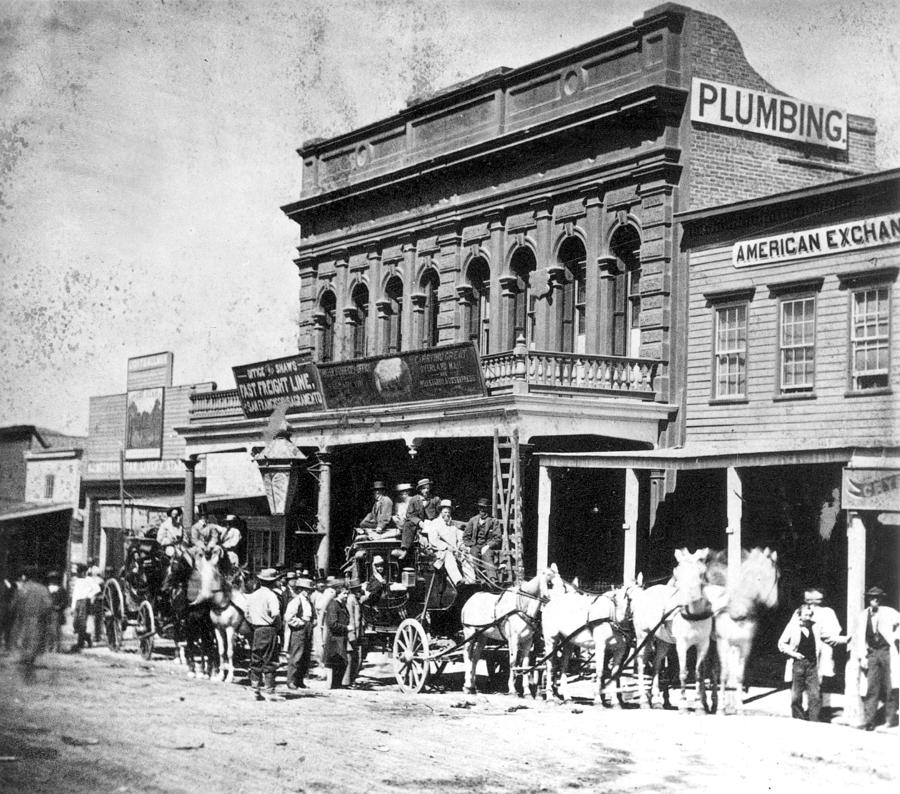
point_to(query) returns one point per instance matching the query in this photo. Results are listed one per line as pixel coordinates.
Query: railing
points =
(515, 370)
(540, 370)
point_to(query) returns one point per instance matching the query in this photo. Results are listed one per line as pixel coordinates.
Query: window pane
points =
(869, 338)
(731, 349)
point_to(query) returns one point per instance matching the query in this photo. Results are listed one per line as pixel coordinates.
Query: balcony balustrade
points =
(517, 371)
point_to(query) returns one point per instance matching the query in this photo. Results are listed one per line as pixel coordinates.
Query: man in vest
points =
(264, 615)
(877, 643)
(482, 538)
(300, 619)
(377, 523)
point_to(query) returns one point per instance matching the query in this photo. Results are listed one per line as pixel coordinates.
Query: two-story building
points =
(531, 213)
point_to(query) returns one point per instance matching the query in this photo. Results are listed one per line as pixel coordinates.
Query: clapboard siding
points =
(830, 418)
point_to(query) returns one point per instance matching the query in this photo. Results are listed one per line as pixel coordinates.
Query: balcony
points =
(515, 371)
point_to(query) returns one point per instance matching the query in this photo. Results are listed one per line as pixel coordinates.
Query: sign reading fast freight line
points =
(866, 233)
(289, 381)
(432, 374)
(774, 115)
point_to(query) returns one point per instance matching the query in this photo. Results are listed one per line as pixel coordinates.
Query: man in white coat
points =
(877, 646)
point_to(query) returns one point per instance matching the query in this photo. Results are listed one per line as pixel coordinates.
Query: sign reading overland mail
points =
(289, 381)
(778, 116)
(436, 373)
(866, 233)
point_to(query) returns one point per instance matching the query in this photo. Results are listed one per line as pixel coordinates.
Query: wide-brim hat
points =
(875, 592)
(404, 486)
(267, 575)
(378, 485)
(483, 502)
(334, 581)
(446, 503)
(423, 482)
(377, 560)
(304, 583)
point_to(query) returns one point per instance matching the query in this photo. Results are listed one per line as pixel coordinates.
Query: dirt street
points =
(101, 722)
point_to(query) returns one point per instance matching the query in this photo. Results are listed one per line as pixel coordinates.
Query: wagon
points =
(417, 620)
(135, 599)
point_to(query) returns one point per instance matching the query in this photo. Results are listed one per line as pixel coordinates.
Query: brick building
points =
(531, 213)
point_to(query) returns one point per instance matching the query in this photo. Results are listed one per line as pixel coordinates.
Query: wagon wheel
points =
(411, 665)
(113, 614)
(146, 629)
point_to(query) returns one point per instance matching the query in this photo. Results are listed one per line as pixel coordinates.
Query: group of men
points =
(808, 641)
(217, 542)
(460, 548)
(319, 620)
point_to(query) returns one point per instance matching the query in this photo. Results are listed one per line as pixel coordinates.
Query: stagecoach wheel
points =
(411, 665)
(146, 629)
(113, 614)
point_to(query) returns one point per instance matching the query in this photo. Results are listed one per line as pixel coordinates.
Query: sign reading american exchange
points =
(774, 115)
(851, 236)
(435, 373)
(289, 381)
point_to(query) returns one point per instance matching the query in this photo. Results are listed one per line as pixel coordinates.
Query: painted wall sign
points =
(289, 381)
(871, 489)
(145, 372)
(865, 233)
(777, 116)
(144, 424)
(436, 373)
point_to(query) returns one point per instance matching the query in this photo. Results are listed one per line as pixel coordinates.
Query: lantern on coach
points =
(279, 465)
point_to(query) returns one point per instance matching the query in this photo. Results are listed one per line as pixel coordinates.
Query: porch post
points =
(323, 511)
(190, 463)
(543, 535)
(629, 526)
(735, 498)
(856, 585)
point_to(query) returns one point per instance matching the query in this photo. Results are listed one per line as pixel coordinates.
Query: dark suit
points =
(479, 534)
(420, 509)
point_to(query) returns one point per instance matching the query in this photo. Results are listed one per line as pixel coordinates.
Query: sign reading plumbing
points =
(774, 115)
(288, 381)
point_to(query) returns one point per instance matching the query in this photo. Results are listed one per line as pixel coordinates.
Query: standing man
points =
(422, 507)
(334, 637)
(84, 590)
(32, 613)
(876, 645)
(264, 616)
(482, 538)
(354, 633)
(299, 619)
(318, 598)
(377, 523)
(60, 600)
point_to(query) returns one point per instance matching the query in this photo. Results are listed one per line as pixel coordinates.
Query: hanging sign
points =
(290, 381)
(871, 489)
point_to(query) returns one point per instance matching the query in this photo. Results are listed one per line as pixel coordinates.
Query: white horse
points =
(574, 618)
(737, 606)
(510, 617)
(679, 614)
(227, 608)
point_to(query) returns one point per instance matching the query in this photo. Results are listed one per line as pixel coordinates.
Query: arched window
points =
(325, 325)
(625, 246)
(429, 285)
(523, 264)
(360, 320)
(392, 317)
(478, 322)
(570, 298)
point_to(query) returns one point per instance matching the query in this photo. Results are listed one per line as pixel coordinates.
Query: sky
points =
(146, 147)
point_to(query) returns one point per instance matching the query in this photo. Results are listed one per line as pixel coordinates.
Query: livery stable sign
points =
(774, 115)
(850, 236)
(302, 386)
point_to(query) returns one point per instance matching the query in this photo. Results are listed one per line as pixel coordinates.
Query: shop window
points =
(870, 338)
(360, 320)
(523, 264)
(797, 344)
(49, 484)
(730, 363)
(570, 299)
(478, 308)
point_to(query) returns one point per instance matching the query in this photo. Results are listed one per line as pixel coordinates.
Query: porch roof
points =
(12, 512)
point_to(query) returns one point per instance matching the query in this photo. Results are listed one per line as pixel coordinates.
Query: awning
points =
(699, 456)
(28, 509)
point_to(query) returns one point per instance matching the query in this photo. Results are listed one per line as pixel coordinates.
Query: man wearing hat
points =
(482, 538)
(375, 584)
(404, 494)
(264, 616)
(421, 508)
(230, 538)
(334, 635)
(299, 618)
(377, 523)
(877, 643)
(355, 631)
(445, 537)
(170, 534)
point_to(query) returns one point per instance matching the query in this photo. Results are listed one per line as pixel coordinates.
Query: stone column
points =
(374, 340)
(449, 262)
(542, 278)
(607, 267)
(856, 586)
(307, 299)
(543, 533)
(593, 208)
(498, 305)
(342, 333)
(323, 511)
(630, 525)
(735, 501)
(410, 289)
(190, 463)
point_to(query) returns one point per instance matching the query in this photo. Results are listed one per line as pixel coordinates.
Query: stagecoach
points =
(417, 619)
(134, 597)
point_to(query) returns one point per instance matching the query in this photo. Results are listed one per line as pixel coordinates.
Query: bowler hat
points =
(446, 503)
(875, 592)
(483, 502)
(423, 482)
(267, 575)
(378, 485)
(404, 486)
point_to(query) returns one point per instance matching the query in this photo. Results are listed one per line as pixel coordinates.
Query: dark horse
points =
(192, 626)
